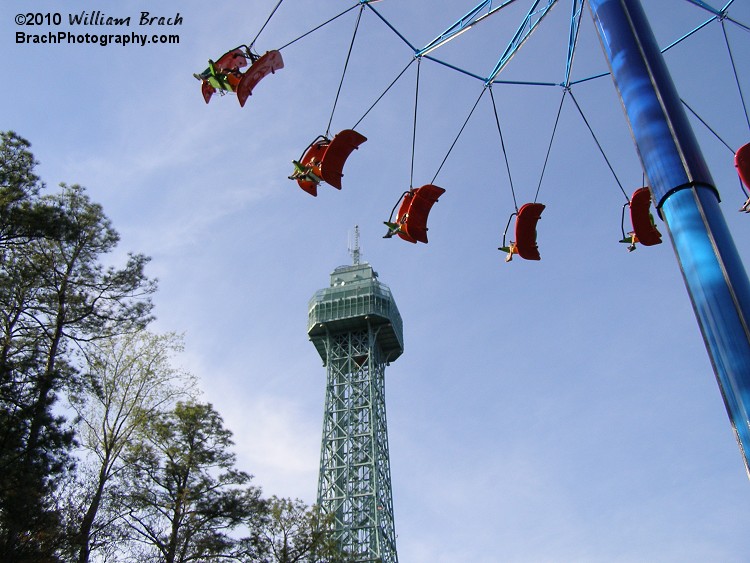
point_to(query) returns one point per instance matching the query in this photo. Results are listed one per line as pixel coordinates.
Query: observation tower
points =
(357, 330)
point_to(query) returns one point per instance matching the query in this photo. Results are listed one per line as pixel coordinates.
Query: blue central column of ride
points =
(687, 200)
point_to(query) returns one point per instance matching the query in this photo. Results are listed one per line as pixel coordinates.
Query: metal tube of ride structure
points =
(687, 200)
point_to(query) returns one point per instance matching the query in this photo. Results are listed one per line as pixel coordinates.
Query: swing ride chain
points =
(346, 64)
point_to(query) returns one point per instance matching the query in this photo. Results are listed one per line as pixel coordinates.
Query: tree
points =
(184, 495)
(21, 213)
(78, 300)
(129, 381)
(294, 533)
(54, 295)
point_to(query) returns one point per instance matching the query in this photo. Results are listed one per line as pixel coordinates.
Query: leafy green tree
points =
(185, 498)
(296, 533)
(54, 295)
(78, 300)
(129, 380)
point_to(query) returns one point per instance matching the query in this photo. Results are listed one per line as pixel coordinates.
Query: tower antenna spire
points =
(354, 248)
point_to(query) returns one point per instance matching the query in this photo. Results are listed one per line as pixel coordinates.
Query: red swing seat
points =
(325, 158)
(742, 163)
(312, 159)
(525, 244)
(342, 145)
(412, 215)
(644, 229)
(207, 90)
(262, 67)
(229, 63)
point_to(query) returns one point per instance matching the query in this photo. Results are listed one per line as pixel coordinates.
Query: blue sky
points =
(561, 410)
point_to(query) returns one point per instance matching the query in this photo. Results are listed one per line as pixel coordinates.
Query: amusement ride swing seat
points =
(225, 75)
(742, 163)
(525, 244)
(267, 64)
(307, 169)
(324, 159)
(411, 221)
(644, 228)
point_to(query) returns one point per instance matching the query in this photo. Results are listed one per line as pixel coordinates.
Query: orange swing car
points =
(644, 228)
(225, 75)
(411, 221)
(323, 160)
(525, 231)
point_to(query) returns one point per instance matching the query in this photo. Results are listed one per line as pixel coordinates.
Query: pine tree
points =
(185, 497)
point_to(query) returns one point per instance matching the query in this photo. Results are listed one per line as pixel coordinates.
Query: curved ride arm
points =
(575, 24)
(466, 22)
(527, 27)
(711, 9)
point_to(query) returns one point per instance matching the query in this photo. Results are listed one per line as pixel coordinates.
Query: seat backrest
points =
(265, 65)
(342, 145)
(640, 215)
(420, 202)
(528, 216)
(742, 162)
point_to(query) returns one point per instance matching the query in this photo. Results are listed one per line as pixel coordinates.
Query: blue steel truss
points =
(482, 12)
(535, 14)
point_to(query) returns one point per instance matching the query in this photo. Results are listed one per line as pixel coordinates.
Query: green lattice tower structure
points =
(357, 330)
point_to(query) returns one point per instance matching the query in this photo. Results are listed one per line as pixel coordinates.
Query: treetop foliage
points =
(106, 452)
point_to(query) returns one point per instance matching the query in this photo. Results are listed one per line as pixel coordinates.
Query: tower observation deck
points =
(357, 330)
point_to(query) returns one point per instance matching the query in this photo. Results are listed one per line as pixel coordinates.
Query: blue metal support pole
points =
(687, 200)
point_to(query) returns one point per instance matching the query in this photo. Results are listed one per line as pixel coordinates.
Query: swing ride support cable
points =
(707, 126)
(466, 122)
(739, 24)
(734, 71)
(414, 128)
(393, 29)
(400, 74)
(687, 200)
(549, 147)
(505, 156)
(598, 144)
(317, 27)
(343, 74)
(266, 23)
